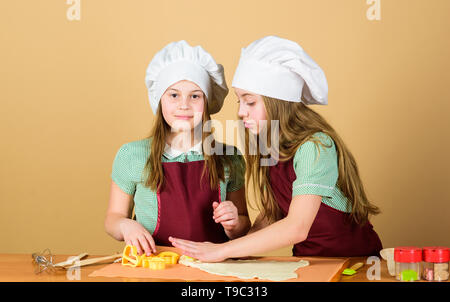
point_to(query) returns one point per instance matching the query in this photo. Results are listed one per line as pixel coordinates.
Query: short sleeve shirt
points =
(128, 168)
(316, 167)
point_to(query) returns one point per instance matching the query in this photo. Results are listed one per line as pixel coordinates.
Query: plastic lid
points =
(436, 254)
(408, 254)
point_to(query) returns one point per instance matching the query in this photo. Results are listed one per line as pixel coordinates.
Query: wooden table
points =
(19, 268)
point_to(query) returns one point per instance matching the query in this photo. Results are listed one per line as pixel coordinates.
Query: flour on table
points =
(249, 269)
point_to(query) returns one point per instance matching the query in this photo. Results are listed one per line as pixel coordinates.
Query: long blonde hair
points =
(153, 172)
(297, 124)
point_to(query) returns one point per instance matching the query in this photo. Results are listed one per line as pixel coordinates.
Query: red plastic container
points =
(436, 263)
(407, 263)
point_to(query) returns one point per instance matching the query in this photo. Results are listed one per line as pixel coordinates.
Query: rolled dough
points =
(249, 269)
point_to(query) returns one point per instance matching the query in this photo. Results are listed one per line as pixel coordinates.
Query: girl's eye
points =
(174, 95)
(250, 104)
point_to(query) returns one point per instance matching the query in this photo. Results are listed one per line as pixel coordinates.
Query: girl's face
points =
(251, 109)
(182, 106)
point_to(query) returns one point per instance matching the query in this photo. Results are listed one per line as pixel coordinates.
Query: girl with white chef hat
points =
(312, 197)
(178, 185)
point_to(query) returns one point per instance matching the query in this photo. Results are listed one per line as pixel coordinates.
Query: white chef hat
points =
(179, 61)
(280, 68)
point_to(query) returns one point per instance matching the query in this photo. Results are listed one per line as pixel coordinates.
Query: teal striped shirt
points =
(128, 168)
(316, 168)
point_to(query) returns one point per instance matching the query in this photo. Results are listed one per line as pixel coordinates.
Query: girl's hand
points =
(226, 214)
(135, 234)
(203, 251)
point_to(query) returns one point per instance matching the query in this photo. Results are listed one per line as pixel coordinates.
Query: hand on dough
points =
(203, 251)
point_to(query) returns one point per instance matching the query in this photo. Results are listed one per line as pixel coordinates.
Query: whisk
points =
(44, 261)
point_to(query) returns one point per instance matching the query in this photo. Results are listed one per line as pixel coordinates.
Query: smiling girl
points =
(313, 197)
(176, 184)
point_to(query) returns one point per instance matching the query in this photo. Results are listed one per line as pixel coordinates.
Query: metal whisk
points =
(43, 261)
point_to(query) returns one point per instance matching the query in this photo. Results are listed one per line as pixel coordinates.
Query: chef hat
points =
(281, 69)
(179, 61)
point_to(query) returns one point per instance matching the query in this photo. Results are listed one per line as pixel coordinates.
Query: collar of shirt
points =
(171, 153)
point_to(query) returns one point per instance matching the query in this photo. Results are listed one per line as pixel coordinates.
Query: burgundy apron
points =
(185, 205)
(332, 233)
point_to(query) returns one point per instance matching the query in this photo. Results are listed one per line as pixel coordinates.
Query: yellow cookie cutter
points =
(131, 258)
(169, 257)
(154, 263)
(187, 258)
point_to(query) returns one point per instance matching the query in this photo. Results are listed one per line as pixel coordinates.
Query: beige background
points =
(72, 92)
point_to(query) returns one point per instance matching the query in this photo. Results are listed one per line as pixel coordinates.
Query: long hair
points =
(297, 124)
(153, 172)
